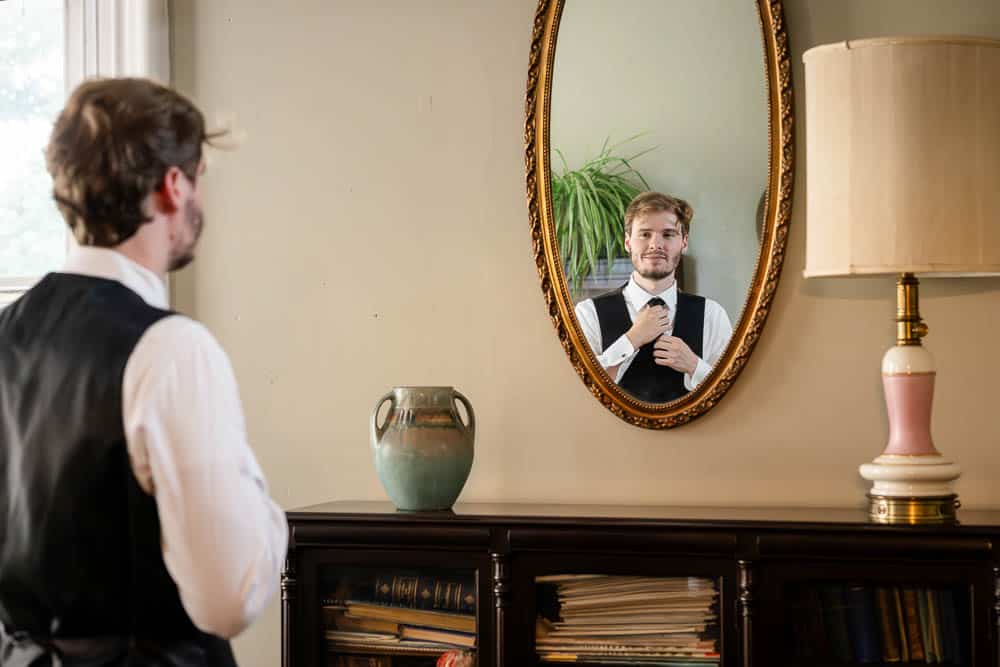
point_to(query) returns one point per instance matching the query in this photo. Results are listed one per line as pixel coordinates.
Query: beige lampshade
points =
(903, 156)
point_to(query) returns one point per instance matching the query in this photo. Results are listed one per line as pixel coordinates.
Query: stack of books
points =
(405, 614)
(450, 659)
(614, 620)
(864, 624)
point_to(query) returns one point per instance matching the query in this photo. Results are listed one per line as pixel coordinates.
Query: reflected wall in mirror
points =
(658, 305)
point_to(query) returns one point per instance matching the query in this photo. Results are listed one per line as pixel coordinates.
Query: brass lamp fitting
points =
(909, 327)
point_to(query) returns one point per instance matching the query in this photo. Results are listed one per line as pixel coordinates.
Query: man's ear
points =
(628, 246)
(169, 196)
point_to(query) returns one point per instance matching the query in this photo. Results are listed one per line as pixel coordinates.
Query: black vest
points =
(645, 379)
(80, 553)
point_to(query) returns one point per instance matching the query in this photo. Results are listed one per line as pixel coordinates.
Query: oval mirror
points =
(659, 174)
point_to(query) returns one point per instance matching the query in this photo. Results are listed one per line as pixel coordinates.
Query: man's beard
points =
(656, 274)
(194, 219)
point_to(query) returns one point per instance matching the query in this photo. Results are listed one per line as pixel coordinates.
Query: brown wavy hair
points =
(645, 203)
(111, 147)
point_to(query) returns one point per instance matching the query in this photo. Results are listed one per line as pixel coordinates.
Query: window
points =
(46, 48)
(32, 92)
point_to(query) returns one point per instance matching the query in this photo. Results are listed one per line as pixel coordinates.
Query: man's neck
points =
(653, 287)
(148, 249)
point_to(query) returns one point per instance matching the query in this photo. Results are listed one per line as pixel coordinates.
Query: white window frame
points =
(117, 38)
(108, 38)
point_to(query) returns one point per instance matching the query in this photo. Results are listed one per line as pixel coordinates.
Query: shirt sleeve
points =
(223, 537)
(617, 353)
(717, 333)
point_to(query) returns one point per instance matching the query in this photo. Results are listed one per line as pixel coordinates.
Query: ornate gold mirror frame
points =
(772, 249)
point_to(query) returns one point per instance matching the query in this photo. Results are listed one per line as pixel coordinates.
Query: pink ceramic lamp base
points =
(910, 467)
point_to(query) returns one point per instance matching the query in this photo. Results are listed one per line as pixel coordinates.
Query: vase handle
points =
(376, 430)
(468, 410)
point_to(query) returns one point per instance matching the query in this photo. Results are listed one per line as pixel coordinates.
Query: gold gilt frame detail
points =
(781, 142)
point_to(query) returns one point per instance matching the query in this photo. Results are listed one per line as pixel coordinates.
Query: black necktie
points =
(644, 377)
(655, 301)
(647, 349)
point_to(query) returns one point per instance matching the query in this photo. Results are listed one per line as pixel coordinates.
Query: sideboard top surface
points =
(527, 513)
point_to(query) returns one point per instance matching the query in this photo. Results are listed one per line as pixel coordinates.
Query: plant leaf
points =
(589, 208)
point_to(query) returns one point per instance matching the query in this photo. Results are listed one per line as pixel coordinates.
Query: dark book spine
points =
(887, 622)
(931, 648)
(911, 616)
(798, 616)
(835, 615)
(820, 635)
(863, 623)
(904, 645)
(423, 592)
(949, 625)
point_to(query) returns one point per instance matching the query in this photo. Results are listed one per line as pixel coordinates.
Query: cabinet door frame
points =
(526, 565)
(775, 574)
(310, 647)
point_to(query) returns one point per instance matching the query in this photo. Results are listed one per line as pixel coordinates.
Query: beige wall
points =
(373, 232)
(690, 77)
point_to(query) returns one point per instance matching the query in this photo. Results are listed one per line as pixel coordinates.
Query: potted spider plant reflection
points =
(589, 204)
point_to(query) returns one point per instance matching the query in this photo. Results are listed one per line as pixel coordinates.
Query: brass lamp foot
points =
(913, 510)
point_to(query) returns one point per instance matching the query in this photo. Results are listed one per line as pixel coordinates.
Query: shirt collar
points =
(112, 265)
(638, 297)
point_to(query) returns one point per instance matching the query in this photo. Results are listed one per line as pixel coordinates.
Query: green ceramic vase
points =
(423, 450)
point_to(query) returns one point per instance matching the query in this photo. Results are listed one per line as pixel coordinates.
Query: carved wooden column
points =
(501, 593)
(745, 606)
(287, 610)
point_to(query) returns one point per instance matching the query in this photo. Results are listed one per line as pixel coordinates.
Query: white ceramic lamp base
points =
(911, 481)
(911, 476)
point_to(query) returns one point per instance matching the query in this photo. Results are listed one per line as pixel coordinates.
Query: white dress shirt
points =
(223, 538)
(716, 333)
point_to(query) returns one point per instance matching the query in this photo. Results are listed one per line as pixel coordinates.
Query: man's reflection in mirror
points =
(656, 342)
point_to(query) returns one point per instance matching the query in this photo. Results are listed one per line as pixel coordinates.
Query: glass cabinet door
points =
(852, 613)
(669, 621)
(602, 609)
(836, 622)
(389, 614)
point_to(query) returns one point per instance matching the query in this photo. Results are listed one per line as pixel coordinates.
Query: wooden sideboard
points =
(767, 564)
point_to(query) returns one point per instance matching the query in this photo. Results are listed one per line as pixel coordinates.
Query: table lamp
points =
(903, 159)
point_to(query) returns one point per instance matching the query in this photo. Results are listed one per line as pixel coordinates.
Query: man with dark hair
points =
(656, 342)
(137, 527)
